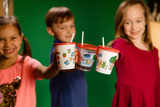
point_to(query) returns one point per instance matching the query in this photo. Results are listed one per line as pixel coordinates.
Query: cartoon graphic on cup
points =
(86, 56)
(105, 59)
(65, 54)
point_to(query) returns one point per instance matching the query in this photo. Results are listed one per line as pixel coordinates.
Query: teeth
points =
(8, 50)
(134, 31)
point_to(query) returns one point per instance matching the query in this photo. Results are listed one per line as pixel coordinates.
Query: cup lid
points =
(109, 49)
(68, 43)
(87, 46)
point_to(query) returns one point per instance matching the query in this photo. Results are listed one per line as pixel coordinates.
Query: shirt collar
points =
(57, 41)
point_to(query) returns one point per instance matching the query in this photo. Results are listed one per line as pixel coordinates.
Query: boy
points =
(69, 88)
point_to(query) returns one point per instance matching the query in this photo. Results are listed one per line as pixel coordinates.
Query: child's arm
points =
(47, 72)
(52, 70)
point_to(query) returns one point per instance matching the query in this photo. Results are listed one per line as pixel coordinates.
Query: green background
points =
(95, 18)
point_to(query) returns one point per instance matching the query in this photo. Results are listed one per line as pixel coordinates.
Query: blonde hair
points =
(119, 20)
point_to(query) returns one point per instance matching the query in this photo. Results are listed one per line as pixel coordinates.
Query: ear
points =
(50, 31)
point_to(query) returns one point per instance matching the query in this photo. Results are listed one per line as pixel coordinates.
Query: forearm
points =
(47, 72)
(69, 70)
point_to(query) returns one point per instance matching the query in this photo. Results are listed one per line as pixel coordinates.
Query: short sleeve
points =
(31, 64)
(51, 55)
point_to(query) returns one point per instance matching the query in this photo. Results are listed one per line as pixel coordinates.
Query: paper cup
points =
(105, 59)
(65, 55)
(86, 56)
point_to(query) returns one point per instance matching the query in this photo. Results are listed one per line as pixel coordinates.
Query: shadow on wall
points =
(154, 7)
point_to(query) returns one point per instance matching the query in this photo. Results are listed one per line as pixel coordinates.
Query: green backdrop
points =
(95, 18)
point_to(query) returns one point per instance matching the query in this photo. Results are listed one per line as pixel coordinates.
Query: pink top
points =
(137, 76)
(26, 96)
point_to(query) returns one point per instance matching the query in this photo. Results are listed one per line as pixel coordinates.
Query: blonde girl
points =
(137, 67)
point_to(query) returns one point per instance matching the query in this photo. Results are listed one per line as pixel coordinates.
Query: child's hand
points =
(76, 55)
(55, 59)
(118, 56)
(54, 53)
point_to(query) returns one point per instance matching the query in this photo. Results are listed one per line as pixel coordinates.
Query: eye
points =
(72, 26)
(62, 28)
(13, 38)
(138, 21)
(127, 23)
(1, 39)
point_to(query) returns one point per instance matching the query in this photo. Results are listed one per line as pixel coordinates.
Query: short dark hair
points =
(58, 15)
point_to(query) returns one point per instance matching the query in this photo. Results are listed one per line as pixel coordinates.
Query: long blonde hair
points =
(119, 20)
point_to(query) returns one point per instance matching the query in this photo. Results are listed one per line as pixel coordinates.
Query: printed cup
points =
(105, 59)
(86, 56)
(65, 55)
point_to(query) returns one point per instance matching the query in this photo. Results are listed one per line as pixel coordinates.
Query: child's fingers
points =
(76, 55)
(76, 51)
(117, 57)
(54, 52)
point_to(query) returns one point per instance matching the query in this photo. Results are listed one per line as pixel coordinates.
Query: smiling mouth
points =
(7, 51)
(135, 33)
(68, 36)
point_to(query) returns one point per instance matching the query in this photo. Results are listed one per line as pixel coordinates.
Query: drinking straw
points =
(72, 37)
(82, 38)
(103, 41)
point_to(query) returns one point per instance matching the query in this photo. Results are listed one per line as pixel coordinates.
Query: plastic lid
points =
(109, 49)
(69, 43)
(87, 46)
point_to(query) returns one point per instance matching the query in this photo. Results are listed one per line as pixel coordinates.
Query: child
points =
(18, 73)
(67, 89)
(137, 67)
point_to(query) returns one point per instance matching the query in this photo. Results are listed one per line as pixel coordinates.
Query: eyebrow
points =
(136, 18)
(65, 25)
(12, 35)
(15, 35)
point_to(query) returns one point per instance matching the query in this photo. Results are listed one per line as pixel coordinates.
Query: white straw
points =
(72, 37)
(82, 37)
(103, 41)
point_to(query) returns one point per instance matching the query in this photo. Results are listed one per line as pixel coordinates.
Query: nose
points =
(7, 43)
(69, 30)
(133, 26)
